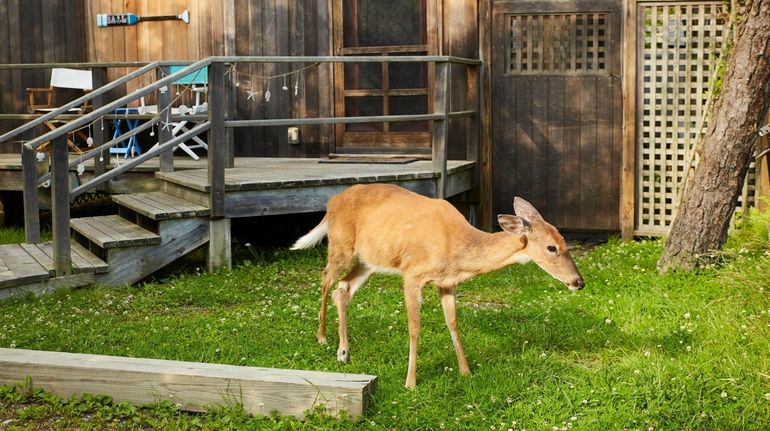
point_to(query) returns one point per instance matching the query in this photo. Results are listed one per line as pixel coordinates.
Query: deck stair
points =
(149, 231)
(29, 268)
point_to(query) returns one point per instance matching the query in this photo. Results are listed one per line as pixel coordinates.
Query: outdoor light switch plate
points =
(293, 135)
(764, 130)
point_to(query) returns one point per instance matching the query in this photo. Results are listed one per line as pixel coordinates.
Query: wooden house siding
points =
(235, 27)
(230, 27)
(36, 31)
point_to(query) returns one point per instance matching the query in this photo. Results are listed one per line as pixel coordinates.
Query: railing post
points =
(60, 207)
(164, 133)
(98, 133)
(441, 126)
(474, 130)
(31, 205)
(220, 255)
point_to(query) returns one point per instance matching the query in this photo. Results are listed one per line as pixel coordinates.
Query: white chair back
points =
(71, 78)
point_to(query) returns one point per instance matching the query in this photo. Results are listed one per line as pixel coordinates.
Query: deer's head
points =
(543, 243)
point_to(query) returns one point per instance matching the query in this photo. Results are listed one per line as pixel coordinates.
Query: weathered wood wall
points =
(36, 31)
(458, 36)
(235, 27)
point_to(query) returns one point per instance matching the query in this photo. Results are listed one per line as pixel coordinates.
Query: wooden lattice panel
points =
(678, 48)
(574, 43)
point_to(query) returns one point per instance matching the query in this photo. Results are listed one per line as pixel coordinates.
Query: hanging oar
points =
(115, 19)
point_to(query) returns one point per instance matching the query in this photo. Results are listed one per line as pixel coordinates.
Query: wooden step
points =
(83, 261)
(113, 231)
(17, 267)
(160, 205)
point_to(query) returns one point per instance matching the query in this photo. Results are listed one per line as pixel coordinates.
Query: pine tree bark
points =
(704, 213)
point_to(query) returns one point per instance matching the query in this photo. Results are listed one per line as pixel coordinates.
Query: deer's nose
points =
(578, 284)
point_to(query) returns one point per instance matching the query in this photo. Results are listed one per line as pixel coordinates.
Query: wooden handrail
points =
(135, 161)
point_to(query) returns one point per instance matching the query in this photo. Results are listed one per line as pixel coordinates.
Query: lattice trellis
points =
(574, 43)
(679, 47)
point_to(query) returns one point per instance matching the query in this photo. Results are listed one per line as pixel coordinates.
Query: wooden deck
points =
(273, 186)
(264, 186)
(26, 268)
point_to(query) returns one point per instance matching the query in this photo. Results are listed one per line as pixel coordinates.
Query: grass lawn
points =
(633, 350)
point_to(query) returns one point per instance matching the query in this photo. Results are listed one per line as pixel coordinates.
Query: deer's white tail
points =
(312, 238)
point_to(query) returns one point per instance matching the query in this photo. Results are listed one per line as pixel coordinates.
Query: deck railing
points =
(216, 123)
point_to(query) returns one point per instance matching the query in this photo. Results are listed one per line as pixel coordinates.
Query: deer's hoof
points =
(321, 339)
(342, 355)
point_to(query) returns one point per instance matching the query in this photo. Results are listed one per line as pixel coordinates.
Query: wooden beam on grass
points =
(191, 386)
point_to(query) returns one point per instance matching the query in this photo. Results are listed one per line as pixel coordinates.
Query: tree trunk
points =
(701, 224)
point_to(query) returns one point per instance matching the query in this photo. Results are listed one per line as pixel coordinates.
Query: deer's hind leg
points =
(341, 297)
(336, 264)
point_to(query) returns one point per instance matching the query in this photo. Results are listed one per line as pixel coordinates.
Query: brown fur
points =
(380, 227)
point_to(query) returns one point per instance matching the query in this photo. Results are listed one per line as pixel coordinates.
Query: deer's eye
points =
(552, 248)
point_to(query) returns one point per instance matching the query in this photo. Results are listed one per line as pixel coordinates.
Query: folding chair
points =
(128, 146)
(198, 81)
(61, 78)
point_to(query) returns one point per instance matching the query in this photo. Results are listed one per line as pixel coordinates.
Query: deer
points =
(383, 228)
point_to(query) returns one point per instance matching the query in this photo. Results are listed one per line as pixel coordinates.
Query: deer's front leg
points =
(448, 304)
(413, 300)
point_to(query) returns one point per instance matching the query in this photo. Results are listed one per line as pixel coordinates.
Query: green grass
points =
(11, 236)
(633, 350)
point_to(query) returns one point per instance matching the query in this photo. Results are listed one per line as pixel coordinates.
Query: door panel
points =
(556, 111)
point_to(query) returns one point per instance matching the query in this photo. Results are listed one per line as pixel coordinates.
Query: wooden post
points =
(441, 127)
(474, 130)
(628, 157)
(99, 132)
(165, 135)
(230, 110)
(31, 204)
(220, 251)
(60, 207)
(220, 256)
(485, 110)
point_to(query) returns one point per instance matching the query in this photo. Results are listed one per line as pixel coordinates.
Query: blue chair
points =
(125, 125)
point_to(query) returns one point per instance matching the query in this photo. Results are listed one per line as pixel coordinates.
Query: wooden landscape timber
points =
(191, 386)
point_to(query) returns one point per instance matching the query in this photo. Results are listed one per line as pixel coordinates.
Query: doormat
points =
(371, 160)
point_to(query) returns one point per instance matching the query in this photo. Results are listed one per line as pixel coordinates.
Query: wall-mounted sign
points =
(115, 19)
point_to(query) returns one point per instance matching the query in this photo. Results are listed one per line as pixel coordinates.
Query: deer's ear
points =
(525, 210)
(513, 224)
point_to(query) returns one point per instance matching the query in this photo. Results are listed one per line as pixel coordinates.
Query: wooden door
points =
(557, 110)
(381, 28)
